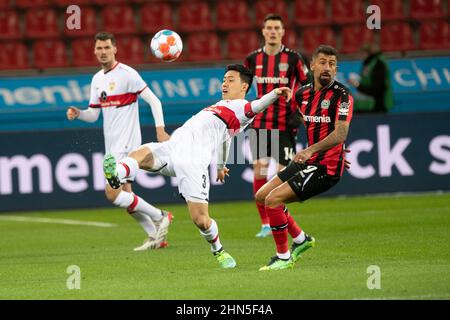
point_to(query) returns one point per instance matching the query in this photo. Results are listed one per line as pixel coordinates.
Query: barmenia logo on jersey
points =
(272, 80)
(325, 119)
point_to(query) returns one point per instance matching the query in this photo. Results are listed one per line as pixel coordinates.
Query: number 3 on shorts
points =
(204, 181)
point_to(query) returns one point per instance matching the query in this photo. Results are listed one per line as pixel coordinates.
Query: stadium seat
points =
(310, 13)
(6, 4)
(434, 35)
(348, 11)
(66, 3)
(9, 25)
(240, 44)
(426, 9)
(83, 52)
(14, 55)
(194, 16)
(88, 24)
(50, 54)
(130, 50)
(156, 16)
(119, 19)
(41, 23)
(397, 36)
(353, 36)
(391, 10)
(25, 4)
(204, 46)
(109, 2)
(314, 36)
(233, 15)
(290, 39)
(264, 7)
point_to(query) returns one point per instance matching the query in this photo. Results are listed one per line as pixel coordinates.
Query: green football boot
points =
(298, 248)
(276, 263)
(109, 170)
(225, 260)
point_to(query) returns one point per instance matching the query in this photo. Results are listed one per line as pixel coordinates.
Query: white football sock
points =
(300, 238)
(285, 255)
(130, 202)
(146, 208)
(127, 168)
(212, 236)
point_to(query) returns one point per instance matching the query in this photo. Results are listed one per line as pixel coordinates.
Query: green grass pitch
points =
(407, 237)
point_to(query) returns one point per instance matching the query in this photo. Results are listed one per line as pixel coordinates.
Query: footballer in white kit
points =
(114, 91)
(192, 147)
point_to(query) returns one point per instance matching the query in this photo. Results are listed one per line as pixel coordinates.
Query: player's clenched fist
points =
(72, 113)
(284, 91)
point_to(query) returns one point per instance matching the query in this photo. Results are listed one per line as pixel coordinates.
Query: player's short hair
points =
(244, 73)
(325, 49)
(103, 36)
(272, 16)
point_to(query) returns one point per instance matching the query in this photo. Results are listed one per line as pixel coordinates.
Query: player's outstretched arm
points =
(88, 115)
(157, 112)
(266, 100)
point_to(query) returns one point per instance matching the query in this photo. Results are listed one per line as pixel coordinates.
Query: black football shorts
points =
(307, 180)
(261, 145)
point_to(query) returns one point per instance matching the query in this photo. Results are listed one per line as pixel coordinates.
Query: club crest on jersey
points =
(112, 85)
(283, 66)
(325, 104)
(344, 108)
(103, 96)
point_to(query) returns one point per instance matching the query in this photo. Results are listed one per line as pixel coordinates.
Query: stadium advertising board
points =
(418, 84)
(63, 169)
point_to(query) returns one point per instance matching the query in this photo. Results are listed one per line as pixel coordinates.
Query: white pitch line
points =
(57, 221)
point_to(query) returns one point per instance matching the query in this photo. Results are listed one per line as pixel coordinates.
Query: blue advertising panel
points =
(63, 169)
(40, 102)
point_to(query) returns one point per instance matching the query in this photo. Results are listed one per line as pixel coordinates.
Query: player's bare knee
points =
(260, 195)
(201, 222)
(144, 157)
(272, 200)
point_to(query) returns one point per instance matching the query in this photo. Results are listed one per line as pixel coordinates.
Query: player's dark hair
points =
(244, 73)
(325, 49)
(273, 16)
(103, 36)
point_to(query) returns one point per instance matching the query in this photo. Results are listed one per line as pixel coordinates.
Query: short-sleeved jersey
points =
(285, 69)
(320, 111)
(116, 93)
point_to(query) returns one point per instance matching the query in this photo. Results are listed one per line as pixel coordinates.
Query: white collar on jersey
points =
(281, 49)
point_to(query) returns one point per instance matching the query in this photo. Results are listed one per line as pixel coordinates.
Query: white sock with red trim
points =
(131, 202)
(127, 168)
(212, 236)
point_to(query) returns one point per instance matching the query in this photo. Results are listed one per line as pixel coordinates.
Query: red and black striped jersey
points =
(320, 110)
(285, 69)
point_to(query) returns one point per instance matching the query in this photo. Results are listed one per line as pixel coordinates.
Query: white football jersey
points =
(219, 122)
(116, 93)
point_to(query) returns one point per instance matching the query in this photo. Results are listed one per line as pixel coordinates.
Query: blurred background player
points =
(190, 150)
(326, 107)
(274, 66)
(115, 90)
(374, 85)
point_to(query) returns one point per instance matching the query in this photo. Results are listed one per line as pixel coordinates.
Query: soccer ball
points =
(166, 45)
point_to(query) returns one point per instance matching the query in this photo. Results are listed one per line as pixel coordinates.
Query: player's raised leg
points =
(153, 220)
(210, 231)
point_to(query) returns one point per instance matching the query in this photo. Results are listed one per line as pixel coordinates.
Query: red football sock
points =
(293, 228)
(279, 223)
(257, 184)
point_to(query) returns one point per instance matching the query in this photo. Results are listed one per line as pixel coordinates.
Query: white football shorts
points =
(181, 157)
